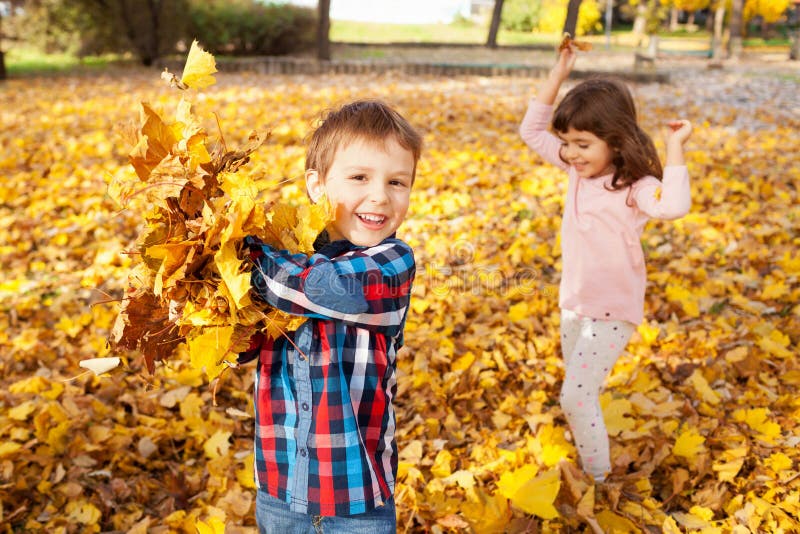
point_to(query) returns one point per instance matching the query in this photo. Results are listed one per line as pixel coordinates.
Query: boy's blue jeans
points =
(274, 517)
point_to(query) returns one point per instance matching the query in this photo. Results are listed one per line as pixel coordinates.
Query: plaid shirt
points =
(325, 425)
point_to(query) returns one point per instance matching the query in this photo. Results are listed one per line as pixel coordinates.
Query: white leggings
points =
(590, 348)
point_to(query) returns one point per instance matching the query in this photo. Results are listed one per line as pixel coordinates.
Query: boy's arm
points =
(368, 288)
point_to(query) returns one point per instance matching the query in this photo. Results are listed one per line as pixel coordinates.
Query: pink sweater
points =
(603, 271)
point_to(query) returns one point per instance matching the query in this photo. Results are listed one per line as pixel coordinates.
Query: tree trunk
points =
(324, 30)
(717, 48)
(494, 27)
(143, 45)
(640, 22)
(571, 22)
(736, 29)
(154, 42)
(794, 50)
(673, 20)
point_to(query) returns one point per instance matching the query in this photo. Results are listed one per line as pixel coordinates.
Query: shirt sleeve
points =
(368, 288)
(668, 199)
(534, 131)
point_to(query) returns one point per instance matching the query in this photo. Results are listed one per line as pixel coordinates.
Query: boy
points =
(326, 456)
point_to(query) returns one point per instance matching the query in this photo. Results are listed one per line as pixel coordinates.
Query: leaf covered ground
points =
(702, 408)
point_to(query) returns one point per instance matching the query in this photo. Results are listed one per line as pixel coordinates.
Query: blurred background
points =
(47, 35)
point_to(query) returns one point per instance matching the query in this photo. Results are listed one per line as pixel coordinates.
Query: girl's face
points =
(590, 155)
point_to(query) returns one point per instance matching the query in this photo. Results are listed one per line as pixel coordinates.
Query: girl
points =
(614, 187)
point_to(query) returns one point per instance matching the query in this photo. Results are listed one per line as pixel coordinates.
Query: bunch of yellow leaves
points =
(192, 285)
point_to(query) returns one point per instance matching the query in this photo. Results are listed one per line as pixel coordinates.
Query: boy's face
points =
(368, 185)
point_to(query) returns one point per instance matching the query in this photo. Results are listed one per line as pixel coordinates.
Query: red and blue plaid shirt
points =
(325, 424)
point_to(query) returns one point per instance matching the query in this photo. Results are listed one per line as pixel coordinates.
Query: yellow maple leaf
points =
(243, 194)
(441, 464)
(195, 316)
(533, 495)
(774, 290)
(7, 448)
(731, 463)
(217, 445)
(82, 512)
(155, 143)
(551, 445)
(759, 420)
(518, 312)
(778, 462)
(22, 411)
(463, 478)
(611, 522)
(615, 412)
(246, 474)
(208, 348)
(684, 297)
(200, 65)
(689, 444)
(488, 514)
(648, 332)
(776, 344)
(214, 525)
(464, 362)
(33, 384)
(230, 268)
(700, 385)
(312, 220)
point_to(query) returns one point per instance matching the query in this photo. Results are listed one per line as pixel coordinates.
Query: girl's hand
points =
(680, 130)
(564, 64)
(560, 72)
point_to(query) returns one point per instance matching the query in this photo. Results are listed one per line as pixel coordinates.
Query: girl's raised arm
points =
(548, 91)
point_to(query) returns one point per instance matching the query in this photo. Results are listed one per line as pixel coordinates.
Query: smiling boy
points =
(325, 449)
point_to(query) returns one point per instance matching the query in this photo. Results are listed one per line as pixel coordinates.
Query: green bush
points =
(547, 16)
(248, 27)
(521, 15)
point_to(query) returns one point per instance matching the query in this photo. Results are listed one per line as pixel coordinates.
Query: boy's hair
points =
(370, 120)
(605, 107)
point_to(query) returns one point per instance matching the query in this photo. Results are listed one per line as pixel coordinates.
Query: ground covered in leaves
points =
(702, 408)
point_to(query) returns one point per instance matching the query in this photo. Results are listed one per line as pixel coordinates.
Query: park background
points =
(702, 407)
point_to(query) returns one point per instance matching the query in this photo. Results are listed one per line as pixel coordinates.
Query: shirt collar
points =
(323, 245)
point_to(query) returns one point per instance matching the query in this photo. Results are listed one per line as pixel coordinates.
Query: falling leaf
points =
(100, 365)
(200, 65)
(568, 41)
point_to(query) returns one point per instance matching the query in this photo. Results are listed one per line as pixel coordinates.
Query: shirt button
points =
(305, 406)
(303, 453)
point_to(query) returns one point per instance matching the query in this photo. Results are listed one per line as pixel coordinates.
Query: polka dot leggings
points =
(590, 348)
